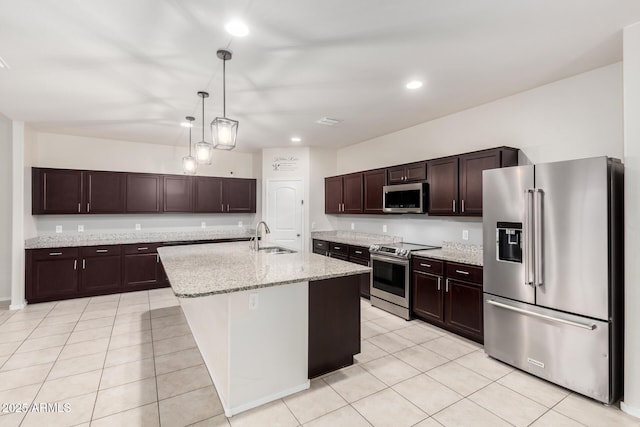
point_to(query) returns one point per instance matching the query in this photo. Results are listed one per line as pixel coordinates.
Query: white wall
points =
(577, 117)
(74, 152)
(323, 163)
(631, 54)
(6, 180)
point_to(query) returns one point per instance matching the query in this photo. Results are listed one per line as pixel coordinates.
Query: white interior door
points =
(285, 213)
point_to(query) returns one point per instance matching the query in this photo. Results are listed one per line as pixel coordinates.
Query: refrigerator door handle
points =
(537, 230)
(528, 238)
(589, 327)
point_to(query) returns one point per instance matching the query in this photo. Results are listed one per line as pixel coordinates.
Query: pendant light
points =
(204, 149)
(189, 163)
(224, 130)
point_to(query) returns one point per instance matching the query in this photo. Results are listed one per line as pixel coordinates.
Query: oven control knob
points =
(374, 248)
(402, 252)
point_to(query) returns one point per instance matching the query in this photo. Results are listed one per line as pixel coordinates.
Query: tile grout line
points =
(153, 353)
(104, 361)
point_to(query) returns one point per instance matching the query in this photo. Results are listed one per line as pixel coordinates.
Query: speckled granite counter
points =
(70, 240)
(354, 238)
(457, 252)
(200, 270)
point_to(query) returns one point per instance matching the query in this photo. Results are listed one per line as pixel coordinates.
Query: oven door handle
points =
(397, 261)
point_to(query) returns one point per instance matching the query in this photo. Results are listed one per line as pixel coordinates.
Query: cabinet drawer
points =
(107, 250)
(141, 248)
(54, 253)
(359, 254)
(466, 272)
(427, 265)
(320, 245)
(339, 249)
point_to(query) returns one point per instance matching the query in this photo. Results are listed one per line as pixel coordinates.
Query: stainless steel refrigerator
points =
(553, 272)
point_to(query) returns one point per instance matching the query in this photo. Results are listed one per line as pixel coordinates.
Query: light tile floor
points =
(130, 360)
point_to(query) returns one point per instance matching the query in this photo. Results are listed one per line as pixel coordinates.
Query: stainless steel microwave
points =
(405, 198)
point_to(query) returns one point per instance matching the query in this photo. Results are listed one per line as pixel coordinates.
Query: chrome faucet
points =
(256, 244)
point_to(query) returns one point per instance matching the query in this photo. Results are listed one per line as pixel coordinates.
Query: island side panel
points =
(208, 319)
(268, 341)
(334, 323)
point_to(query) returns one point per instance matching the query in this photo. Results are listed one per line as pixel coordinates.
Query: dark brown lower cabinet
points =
(52, 274)
(427, 296)
(446, 300)
(463, 307)
(141, 267)
(334, 323)
(101, 271)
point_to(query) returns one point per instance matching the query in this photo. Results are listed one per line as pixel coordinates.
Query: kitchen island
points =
(265, 323)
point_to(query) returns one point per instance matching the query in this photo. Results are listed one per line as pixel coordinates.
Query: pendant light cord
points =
(202, 117)
(224, 87)
(190, 143)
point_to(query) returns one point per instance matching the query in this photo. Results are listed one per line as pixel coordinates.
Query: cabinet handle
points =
(446, 285)
(222, 207)
(157, 259)
(462, 272)
(337, 248)
(55, 253)
(78, 207)
(227, 207)
(425, 265)
(439, 279)
(75, 264)
(454, 205)
(358, 252)
(84, 264)
(88, 206)
(142, 249)
(462, 203)
(102, 251)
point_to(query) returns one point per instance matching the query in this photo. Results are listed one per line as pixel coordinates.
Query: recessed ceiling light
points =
(3, 64)
(237, 28)
(327, 121)
(186, 124)
(296, 139)
(414, 84)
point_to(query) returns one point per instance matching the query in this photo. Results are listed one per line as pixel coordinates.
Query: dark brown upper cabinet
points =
(208, 195)
(178, 193)
(57, 191)
(343, 194)
(333, 195)
(143, 193)
(104, 192)
(403, 174)
(471, 167)
(239, 195)
(442, 176)
(352, 193)
(374, 181)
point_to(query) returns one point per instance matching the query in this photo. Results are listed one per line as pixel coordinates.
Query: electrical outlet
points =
(384, 228)
(138, 228)
(203, 224)
(465, 234)
(80, 228)
(253, 301)
(353, 226)
(313, 225)
(239, 223)
(58, 229)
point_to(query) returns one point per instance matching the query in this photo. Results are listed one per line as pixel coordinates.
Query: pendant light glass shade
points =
(189, 163)
(204, 149)
(223, 129)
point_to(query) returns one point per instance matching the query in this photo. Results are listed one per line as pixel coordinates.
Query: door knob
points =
(297, 235)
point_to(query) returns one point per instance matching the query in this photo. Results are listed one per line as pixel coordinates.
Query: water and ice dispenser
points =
(509, 241)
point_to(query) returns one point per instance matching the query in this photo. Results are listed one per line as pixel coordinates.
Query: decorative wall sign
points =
(285, 164)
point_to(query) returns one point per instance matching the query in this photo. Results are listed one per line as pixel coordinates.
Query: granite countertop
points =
(464, 253)
(93, 239)
(354, 238)
(208, 269)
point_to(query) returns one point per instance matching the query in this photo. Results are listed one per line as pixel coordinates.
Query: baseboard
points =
(5, 299)
(631, 410)
(229, 412)
(18, 306)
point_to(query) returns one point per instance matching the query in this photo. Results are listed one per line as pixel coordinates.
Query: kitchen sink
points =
(276, 250)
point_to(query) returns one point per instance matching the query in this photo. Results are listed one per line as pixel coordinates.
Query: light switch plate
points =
(239, 223)
(203, 224)
(80, 228)
(353, 226)
(138, 228)
(465, 234)
(313, 225)
(58, 229)
(384, 228)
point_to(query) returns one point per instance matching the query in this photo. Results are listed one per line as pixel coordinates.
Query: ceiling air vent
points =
(328, 121)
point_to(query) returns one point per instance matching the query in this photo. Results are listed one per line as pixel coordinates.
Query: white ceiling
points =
(130, 69)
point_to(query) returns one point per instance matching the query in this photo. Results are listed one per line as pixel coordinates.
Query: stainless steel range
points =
(391, 276)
